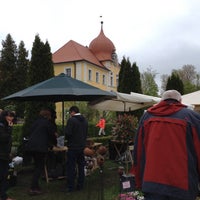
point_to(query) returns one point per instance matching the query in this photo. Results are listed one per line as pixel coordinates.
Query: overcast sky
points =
(161, 34)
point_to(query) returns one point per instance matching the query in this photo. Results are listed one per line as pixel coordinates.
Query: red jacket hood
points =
(166, 108)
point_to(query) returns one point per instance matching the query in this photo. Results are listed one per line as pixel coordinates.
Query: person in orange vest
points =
(101, 124)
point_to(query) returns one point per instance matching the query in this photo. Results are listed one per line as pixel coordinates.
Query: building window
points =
(117, 80)
(103, 79)
(97, 77)
(68, 72)
(89, 74)
(111, 79)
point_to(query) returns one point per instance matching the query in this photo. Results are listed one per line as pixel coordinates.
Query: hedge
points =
(92, 132)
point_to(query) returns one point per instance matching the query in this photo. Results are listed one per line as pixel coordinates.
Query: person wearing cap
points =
(167, 150)
(6, 123)
(76, 132)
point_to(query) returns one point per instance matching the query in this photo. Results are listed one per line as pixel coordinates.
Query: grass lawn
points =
(98, 186)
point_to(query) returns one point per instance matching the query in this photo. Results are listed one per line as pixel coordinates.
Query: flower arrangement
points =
(136, 195)
(124, 128)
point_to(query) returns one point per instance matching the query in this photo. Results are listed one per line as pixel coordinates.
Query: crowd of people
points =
(42, 138)
(166, 149)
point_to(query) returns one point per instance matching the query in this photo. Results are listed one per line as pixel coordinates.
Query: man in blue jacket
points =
(167, 150)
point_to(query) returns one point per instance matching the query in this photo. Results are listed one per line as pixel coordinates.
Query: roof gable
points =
(73, 51)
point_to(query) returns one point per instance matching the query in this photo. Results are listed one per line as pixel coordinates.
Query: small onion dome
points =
(102, 47)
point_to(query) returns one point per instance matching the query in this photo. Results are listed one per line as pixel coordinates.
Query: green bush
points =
(92, 132)
(17, 134)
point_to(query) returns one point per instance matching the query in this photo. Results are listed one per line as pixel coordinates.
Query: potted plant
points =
(124, 129)
(123, 133)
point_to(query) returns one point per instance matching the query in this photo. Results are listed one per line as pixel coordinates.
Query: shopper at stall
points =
(6, 123)
(167, 150)
(42, 138)
(75, 133)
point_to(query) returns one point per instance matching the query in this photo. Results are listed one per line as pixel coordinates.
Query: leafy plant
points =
(124, 129)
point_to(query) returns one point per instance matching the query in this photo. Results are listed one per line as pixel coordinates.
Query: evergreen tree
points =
(175, 83)
(125, 76)
(129, 77)
(21, 76)
(121, 73)
(41, 68)
(136, 87)
(135, 81)
(8, 70)
(129, 80)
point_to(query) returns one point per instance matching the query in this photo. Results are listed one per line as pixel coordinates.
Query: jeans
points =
(75, 166)
(3, 178)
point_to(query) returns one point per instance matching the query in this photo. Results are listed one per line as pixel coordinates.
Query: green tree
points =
(136, 85)
(174, 82)
(149, 86)
(125, 76)
(41, 68)
(129, 80)
(189, 77)
(21, 76)
(121, 72)
(129, 77)
(8, 70)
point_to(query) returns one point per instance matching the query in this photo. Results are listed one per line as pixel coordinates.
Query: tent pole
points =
(63, 113)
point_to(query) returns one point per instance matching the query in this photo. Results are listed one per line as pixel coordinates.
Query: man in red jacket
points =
(167, 150)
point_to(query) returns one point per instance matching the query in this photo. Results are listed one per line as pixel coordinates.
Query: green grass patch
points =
(97, 184)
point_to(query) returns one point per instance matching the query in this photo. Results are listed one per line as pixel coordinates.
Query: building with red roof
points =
(96, 65)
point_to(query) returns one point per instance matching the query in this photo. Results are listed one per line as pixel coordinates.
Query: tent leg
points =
(63, 118)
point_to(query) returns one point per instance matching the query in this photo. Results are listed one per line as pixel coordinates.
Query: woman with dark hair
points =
(6, 122)
(42, 137)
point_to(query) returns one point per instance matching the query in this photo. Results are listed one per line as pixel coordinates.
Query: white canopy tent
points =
(125, 102)
(192, 99)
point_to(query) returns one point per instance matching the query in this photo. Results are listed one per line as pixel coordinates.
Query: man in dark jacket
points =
(42, 137)
(75, 134)
(6, 122)
(167, 150)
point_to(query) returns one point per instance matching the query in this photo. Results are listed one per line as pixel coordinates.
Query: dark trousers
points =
(39, 162)
(75, 165)
(3, 178)
(159, 197)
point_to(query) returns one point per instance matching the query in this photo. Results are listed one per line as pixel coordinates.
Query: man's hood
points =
(79, 117)
(166, 107)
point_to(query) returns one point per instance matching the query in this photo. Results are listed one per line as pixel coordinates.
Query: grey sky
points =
(161, 34)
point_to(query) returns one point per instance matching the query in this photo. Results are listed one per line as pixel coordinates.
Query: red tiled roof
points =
(73, 51)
